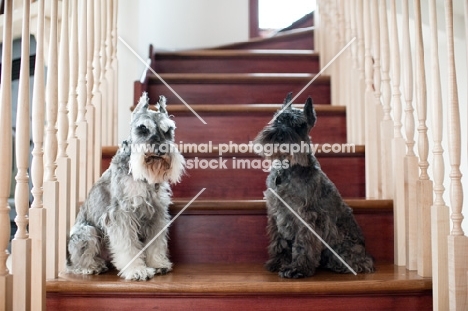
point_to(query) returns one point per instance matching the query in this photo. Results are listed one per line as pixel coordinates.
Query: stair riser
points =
(243, 127)
(307, 64)
(286, 302)
(240, 93)
(241, 238)
(238, 183)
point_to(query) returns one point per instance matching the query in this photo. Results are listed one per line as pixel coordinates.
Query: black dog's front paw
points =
(273, 265)
(294, 273)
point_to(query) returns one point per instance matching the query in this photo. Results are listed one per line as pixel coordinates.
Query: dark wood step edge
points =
(205, 280)
(359, 205)
(236, 78)
(248, 108)
(251, 54)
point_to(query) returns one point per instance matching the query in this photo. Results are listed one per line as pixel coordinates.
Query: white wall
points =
(171, 25)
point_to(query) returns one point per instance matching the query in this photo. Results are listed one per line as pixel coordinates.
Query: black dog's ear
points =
(286, 101)
(309, 112)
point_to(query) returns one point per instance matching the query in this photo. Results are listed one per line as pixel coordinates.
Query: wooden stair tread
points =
(293, 33)
(238, 108)
(234, 279)
(248, 108)
(251, 78)
(250, 53)
(359, 205)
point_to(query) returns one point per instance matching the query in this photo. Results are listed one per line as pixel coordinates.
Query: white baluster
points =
(37, 213)
(6, 280)
(21, 244)
(386, 125)
(398, 147)
(410, 160)
(115, 66)
(51, 185)
(103, 79)
(423, 185)
(82, 124)
(73, 140)
(440, 212)
(457, 241)
(63, 161)
(97, 96)
(372, 168)
(109, 75)
(90, 109)
(376, 109)
(360, 60)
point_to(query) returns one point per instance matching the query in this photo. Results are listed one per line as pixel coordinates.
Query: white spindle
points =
(63, 161)
(21, 244)
(373, 150)
(371, 138)
(398, 147)
(97, 97)
(115, 66)
(90, 109)
(386, 125)
(103, 81)
(82, 126)
(360, 60)
(457, 241)
(423, 185)
(6, 159)
(109, 74)
(51, 186)
(73, 141)
(440, 212)
(37, 223)
(410, 161)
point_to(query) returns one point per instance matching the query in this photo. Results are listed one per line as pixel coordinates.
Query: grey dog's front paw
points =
(138, 273)
(163, 271)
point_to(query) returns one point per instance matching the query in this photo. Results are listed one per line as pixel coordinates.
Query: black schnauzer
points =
(294, 250)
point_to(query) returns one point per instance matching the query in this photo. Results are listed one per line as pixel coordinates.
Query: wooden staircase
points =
(218, 245)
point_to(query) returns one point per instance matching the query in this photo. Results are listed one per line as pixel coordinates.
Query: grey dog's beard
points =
(157, 169)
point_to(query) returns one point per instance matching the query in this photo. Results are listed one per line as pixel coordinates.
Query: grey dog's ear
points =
(142, 106)
(287, 101)
(309, 112)
(161, 104)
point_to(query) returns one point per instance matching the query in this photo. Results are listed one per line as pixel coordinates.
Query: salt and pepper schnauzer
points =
(128, 205)
(294, 250)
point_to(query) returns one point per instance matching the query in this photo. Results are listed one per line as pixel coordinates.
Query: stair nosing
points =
(359, 205)
(228, 108)
(248, 53)
(255, 280)
(235, 78)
